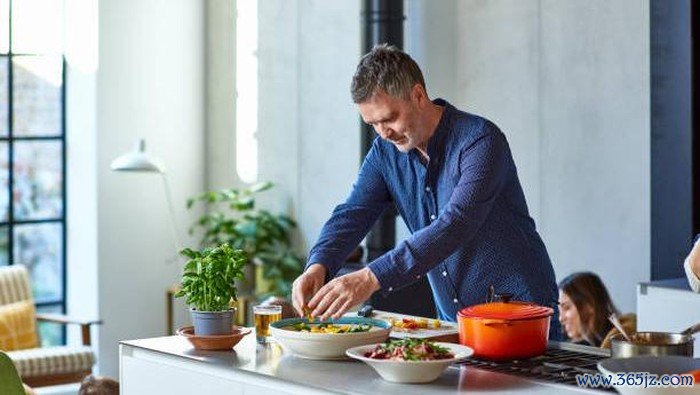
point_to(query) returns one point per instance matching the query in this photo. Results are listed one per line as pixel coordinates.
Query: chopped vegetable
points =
(329, 328)
(409, 324)
(410, 350)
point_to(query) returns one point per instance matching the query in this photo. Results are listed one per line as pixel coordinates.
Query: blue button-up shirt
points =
(466, 211)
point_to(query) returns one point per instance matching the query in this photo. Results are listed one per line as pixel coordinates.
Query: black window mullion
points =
(10, 139)
(10, 145)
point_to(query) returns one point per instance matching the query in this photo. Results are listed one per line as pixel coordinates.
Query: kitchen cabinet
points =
(668, 306)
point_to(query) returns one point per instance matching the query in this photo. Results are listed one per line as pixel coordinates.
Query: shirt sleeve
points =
(693, 279)
(483, 167)
(351, 220)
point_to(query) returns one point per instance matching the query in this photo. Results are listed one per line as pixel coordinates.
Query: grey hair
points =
(387, 68)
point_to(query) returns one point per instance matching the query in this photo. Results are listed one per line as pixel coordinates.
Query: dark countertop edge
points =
(679, 284)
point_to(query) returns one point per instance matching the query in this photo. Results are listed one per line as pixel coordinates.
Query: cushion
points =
(53, 360)
(18, 326)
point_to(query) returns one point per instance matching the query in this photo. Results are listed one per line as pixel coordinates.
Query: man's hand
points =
(340, 294)
(306, 285)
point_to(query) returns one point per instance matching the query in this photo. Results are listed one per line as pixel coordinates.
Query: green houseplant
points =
(208, 283)
(233, 217)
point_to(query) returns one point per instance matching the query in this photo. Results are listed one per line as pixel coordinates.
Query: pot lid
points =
(506, 311)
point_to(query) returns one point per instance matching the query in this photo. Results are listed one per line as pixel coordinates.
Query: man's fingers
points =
(326, 299)
(345, 307)
(319, 295)
(335, 310)
(298, 299)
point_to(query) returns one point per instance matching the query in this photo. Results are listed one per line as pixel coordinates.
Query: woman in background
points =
(584, 308)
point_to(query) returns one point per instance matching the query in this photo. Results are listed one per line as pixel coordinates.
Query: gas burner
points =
(559, 364)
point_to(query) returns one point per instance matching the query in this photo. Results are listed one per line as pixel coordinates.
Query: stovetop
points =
(560, 364)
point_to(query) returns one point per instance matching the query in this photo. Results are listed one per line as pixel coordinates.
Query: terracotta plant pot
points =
(505, 330)
(216, 342)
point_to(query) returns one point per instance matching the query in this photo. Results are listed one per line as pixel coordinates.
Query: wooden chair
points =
(43, 366)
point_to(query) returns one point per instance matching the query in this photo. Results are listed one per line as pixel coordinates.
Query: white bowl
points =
(410, 371)
(327, 345)
(655, 366)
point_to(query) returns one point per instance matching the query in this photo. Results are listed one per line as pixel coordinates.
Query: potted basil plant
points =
(208, 283)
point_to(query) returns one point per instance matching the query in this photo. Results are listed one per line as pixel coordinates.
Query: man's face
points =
(393, 119)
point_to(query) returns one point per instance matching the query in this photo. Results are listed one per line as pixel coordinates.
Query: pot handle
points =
(493, 322)
(693, 329)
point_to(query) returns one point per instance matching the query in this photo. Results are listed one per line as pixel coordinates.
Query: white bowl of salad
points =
(327, 339)
(410, 360)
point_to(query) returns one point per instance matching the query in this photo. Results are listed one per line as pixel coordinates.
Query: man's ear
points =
(418, 94)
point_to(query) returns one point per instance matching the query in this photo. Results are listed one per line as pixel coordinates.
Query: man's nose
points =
(383, 131)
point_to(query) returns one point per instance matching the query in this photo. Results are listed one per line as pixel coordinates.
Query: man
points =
(454, 182)
(692, 265)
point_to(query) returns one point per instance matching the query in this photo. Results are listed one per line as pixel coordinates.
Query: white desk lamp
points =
(139, 161)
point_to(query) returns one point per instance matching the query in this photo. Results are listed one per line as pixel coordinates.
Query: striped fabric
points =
(15, 287)
(18, 326)
(14, 284)
(52, 360)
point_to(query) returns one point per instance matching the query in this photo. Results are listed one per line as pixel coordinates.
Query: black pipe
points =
(382, 22)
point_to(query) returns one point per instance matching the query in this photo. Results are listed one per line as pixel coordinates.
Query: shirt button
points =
(418, 276)
(455, 300)
(427, 189)
(391, 289)
(432, 217)
(444, 273)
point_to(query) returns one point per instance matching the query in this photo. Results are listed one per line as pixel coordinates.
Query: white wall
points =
(568, 82)
(81, 144)
(150, 84)
(308, 133)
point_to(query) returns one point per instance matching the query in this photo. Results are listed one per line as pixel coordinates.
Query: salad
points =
(409, 350)
(329, 328)
(410, 324)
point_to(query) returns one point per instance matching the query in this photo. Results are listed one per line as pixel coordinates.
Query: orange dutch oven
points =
(505, 330)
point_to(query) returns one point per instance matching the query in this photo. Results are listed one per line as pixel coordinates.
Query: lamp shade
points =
(137, 160)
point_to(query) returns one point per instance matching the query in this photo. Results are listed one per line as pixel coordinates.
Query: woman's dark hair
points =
(588, 293)
(97, 385)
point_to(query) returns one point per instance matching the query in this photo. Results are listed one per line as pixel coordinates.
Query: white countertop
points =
(271, 363)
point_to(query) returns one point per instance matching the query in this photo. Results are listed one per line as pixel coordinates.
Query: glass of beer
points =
(264, 315)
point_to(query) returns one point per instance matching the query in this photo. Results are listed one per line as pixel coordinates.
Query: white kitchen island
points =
(169, 365)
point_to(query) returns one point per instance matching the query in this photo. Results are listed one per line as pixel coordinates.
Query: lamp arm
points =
(171, 210)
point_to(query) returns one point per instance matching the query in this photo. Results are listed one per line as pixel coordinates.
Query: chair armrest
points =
(63, 319)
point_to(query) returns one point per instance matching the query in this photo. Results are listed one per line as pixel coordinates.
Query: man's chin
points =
(403, 147)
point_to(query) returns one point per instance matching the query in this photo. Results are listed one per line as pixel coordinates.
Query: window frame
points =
(10, 139)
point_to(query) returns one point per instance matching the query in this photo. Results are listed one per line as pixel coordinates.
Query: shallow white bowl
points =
(327, 345)
(652, 365)
(410, 371)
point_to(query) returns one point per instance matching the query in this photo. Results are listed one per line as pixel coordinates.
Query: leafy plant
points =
(233, 218)
(208, 278)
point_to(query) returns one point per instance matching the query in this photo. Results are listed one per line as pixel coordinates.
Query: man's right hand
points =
(306, 286)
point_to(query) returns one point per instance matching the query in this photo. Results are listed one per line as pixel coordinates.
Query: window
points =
(32, 150)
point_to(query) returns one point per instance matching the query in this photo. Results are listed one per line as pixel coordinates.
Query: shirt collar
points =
(436, 145)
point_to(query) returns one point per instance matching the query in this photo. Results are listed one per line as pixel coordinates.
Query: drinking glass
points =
(264, 315)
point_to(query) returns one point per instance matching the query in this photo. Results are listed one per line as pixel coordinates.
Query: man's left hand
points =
(340, 294)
